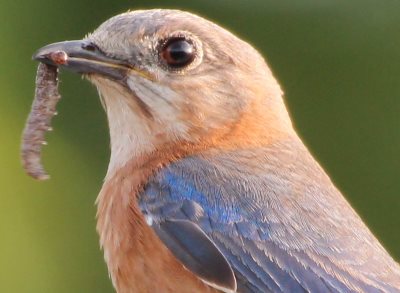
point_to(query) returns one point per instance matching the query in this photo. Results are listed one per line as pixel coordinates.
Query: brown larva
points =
(43, 109)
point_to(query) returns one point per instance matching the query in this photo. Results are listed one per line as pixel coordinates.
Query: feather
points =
(285, 229)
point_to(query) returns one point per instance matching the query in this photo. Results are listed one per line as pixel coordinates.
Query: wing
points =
(197, 252)
(277, 233)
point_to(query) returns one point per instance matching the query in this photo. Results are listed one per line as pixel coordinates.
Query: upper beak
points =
(84, 57)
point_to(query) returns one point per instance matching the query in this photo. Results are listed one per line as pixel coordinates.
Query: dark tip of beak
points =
(82, 57)
(70, 48)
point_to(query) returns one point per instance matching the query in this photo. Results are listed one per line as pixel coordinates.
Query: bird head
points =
(168, 78)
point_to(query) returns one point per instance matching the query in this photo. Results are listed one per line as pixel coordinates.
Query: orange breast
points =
(137, 260)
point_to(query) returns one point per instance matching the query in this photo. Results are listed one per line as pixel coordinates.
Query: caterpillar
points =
(39, 119)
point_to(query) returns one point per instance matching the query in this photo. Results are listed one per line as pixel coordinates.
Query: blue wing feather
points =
(277, 218)
(197, 252)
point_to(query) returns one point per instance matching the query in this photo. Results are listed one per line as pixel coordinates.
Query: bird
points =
(209, 187)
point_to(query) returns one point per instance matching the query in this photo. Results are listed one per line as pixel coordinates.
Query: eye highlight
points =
(177, 52)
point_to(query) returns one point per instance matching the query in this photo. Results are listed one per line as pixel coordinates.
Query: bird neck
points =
(260, 120)
(264, 123)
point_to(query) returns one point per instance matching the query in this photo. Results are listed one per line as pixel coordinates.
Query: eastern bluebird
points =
(209, 188)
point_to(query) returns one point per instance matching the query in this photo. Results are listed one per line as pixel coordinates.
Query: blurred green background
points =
(338, 62)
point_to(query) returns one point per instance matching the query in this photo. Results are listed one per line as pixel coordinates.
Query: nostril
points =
(89, 47)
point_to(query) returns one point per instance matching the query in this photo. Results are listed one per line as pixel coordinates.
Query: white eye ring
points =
(179, 52)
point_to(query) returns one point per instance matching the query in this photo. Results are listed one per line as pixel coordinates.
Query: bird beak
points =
(85, 57)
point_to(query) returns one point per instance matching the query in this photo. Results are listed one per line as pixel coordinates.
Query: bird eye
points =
(178, 52)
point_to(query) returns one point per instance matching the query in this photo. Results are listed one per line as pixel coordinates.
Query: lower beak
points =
(83, 57)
